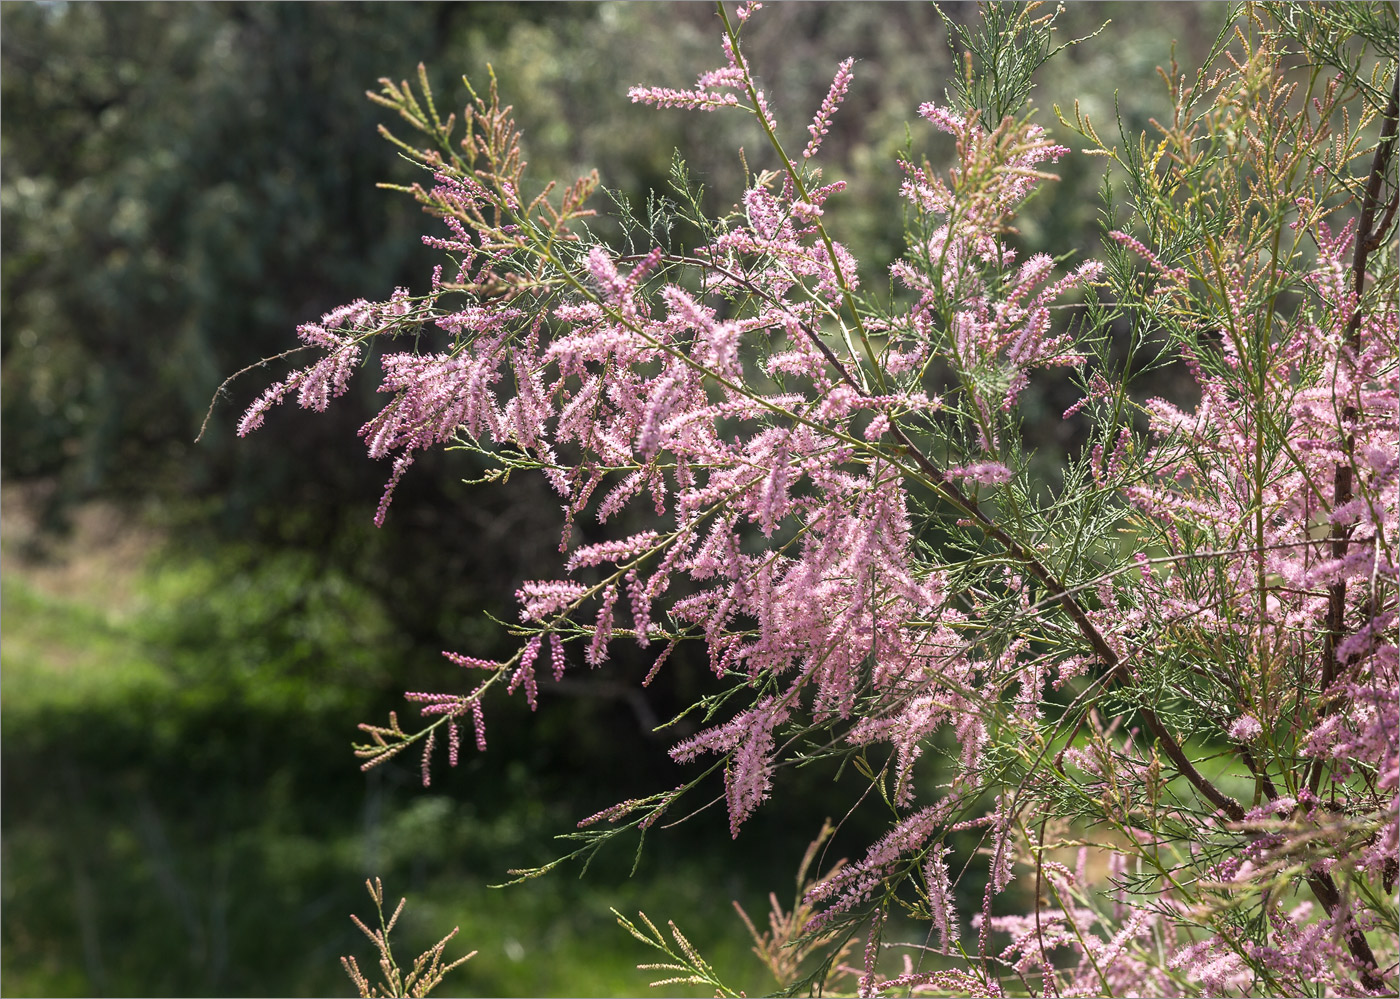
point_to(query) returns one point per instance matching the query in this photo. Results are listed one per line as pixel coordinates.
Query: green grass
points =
(183, 816)
(58, 655)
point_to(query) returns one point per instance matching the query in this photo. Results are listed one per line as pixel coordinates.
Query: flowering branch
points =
(1140, 659)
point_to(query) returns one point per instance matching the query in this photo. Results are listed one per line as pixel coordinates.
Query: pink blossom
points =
(1245, 727)
(833, 100)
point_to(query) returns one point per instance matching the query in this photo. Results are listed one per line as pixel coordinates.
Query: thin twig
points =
(218, 392)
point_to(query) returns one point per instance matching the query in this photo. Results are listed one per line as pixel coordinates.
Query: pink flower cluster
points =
(1004, 327)
(338, 334)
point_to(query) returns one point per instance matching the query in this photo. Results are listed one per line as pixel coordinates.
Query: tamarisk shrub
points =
(1180, 657)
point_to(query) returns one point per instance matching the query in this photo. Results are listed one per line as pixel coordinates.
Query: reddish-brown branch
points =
(1325, 889)
(1368, 237)
(1117, 668)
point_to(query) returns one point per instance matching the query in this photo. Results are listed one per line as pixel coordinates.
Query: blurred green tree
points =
(181, 185)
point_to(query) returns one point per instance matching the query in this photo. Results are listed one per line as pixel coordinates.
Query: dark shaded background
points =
(181, 184)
